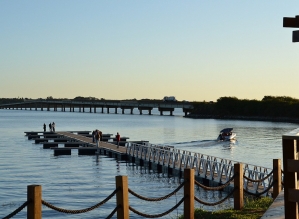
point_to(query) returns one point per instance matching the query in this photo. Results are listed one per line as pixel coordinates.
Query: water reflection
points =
(97, 159)
(229, 145)
(117, 166)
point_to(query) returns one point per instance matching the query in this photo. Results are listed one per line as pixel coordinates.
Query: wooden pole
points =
(189, 193)
(122, 197)
(289, 151)
(34, 196)
(276, 177)
(238, 185)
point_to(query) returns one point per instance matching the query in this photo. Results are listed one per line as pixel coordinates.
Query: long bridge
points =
(92, 106)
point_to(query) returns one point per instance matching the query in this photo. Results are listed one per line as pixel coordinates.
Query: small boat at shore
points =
(226, 135)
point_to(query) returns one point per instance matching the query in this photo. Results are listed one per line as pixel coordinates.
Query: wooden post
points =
(34, 196)
(189, 193)
(289, 151)
(122, 197)
(276, 177)
(238, 186)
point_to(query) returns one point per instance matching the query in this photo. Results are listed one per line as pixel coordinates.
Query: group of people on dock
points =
(51, 127)
(97, 136)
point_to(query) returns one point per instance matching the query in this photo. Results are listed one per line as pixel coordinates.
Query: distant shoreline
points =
(249, 118)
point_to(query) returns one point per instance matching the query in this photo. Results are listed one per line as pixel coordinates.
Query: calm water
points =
(76, 182)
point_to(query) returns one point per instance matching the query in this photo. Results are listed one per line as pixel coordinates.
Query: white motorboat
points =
(226, 135)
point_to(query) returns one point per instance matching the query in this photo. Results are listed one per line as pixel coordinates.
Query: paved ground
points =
(276, 210)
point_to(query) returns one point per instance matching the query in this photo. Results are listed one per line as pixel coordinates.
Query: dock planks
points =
(88, 141)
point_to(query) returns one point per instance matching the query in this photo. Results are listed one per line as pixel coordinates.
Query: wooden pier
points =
(209, 170)
(81, 141)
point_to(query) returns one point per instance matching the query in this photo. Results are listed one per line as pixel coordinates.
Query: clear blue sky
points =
(194, 50)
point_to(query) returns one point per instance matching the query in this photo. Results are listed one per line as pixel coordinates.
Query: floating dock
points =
(209, 170)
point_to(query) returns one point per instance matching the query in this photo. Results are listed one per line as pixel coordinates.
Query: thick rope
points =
(259, 180)
(217, 187)
(82, 210)
(259, 193)
(113, 212)
(157, 215)
(157, 199)
(17, 210)
(215, 203)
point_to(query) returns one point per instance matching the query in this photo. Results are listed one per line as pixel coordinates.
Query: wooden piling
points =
(289, 151)
(238, 185)
(276, 177)
(34, 196)
(189, 193)
(122, 197)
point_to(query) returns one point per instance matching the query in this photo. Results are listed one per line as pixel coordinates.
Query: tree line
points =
(230, 107)
(270, 107)
(78, 98)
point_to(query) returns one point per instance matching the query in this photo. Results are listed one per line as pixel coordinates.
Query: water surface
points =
(76, 182)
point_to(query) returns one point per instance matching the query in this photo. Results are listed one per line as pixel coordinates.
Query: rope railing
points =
(258, 194)
(81, 210)
(259, 180)
(113, 212)
(215, 203)
(17, 210)
(216, 188)
(157, 199)
(157, 215)
(34, 201)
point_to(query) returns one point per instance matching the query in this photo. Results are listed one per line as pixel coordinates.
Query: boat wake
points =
(201, 143)
(204, 144)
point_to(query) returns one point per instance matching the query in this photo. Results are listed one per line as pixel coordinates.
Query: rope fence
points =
(19, 209)
(259, 180)
(157, 199)
(217, 188)
(157, 215)
(215, 203)
(82, 210)
(34, 201)
(258, 194)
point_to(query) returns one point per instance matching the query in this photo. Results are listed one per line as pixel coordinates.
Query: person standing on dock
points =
(50, 127)
(117, 139)
(44, 127)
(93, 136)
(53, 127)
(101, 135)
(97, 137)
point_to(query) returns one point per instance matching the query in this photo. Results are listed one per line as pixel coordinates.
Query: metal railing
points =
(208, 167)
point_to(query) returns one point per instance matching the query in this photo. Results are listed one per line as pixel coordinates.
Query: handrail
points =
(122, 197)
(157, 199)
(81, 210)
(217, 169)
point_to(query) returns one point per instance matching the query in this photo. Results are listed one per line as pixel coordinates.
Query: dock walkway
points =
(209, 170)
(88, 141)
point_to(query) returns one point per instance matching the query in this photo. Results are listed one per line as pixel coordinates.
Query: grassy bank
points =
(253, 209)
